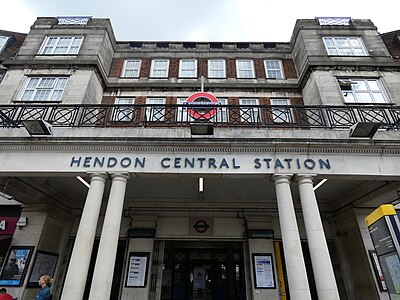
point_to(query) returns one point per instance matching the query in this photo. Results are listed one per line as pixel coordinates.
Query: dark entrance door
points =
(204, 273)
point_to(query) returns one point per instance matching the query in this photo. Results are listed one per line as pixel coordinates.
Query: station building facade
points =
(199, 170)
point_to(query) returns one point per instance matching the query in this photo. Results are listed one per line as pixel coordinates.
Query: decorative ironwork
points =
(160, 115)
(334, 20)
(73, 20)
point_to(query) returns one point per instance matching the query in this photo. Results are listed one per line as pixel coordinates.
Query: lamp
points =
(37, 127)
(364, 129)
(201, 129)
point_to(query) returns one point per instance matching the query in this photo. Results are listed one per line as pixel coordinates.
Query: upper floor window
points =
(281, 111)
(123, 113)
(44, 89)
(159, 68)
(188, 68)
(131, 68)
(61, 45)
(363, 91)
(216, 68)
(346, 46)
(245, 68)
(3, 42)
(249, 112)
(155, 109)
(273, 69)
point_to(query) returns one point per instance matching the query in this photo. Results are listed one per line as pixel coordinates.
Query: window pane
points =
(44, 89)
(379, 98)
(362, 97)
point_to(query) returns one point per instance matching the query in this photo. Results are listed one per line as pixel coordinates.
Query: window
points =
(222, 114)
(188, 68)
(249, 114)
(281, 114)
(346, 46)
(123, 113)
(362, 91)
(245, 68)
(131, 68)
(61, 45)
(155, 113)
(44, 89)
(274, 69)
(216, 68)
(3, 42)
(159, 68)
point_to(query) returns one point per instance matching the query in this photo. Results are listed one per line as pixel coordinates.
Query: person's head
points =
(3, 291)
(45, 280)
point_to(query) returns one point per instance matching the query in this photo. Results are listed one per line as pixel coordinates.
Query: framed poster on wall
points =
(15, 267)
(45, 264)
(136, 275)
(263, 271)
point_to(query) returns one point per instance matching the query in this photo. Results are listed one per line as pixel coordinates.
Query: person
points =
(11, 269)
(45, 284)
(4, 295)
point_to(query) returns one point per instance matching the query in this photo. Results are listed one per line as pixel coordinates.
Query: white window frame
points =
(182, 111)
(353, 91)
(158, 71)
(248, 113)
(333, 46)
(245, 72)
(132, 71)
(153, 112)
(53, 44)
(216, 72)
(36, 88)
(281, 114)
(186, 71)
(123, 113)
(271, 71)
(3, 42)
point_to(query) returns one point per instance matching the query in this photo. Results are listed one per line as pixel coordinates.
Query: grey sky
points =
(205, 20)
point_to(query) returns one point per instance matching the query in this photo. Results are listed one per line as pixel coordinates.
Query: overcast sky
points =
(201, 20)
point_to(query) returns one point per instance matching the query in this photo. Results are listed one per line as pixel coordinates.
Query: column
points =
(320, 258)
(295, 266)
(104, 267)
(75, 279)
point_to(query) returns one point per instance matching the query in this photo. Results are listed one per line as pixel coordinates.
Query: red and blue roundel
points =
(201, 105)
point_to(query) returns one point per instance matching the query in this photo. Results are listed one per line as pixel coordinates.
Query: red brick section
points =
(13, 46)
(230, 68)
(173, 68)
(259, 68)
(202, 66)
(289, 69)
(108, 100)
(116, 67)
(145, 68)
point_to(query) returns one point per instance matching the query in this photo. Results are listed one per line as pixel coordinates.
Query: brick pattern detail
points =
(231, 68)
(145, 68)
(173, 68)
(259, 68)
(202, 67)
(116, 67)
(391, 44)
(289, 70)
(108, 100)
(13, 45)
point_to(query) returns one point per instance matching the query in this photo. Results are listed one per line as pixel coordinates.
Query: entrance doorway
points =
(203, 271)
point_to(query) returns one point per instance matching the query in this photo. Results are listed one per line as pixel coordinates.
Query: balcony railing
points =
(152, 115)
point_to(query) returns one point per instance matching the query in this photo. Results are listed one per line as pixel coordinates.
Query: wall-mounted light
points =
(319, 184)
(364, 129)
(201, 184)
(37, 127)
(201, 129)
(83, 181)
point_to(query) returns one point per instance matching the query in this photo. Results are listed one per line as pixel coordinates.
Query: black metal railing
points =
(155, 115)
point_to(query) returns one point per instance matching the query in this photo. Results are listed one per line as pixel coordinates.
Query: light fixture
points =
(364, 129)
(83, 181)
(319, 184)
(260, 234)
(141, 233)
(201, 129)
(201, 184)
(37, 127)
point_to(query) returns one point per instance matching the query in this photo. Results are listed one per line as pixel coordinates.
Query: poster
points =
(45, 264)
(263, 271)
(15, 266)
(137, 269)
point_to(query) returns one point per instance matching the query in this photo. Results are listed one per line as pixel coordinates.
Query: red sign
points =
(201, 226)
(8, 225)
(202, 105)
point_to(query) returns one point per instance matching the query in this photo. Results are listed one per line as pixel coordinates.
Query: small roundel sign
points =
(202, 105)
(201, 226)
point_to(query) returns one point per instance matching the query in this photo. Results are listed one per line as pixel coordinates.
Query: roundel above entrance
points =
(201, 105)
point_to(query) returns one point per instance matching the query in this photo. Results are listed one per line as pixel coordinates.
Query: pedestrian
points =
(4, 295)
(45, 284)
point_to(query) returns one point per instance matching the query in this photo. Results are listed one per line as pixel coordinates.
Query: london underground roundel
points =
(202, 105)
